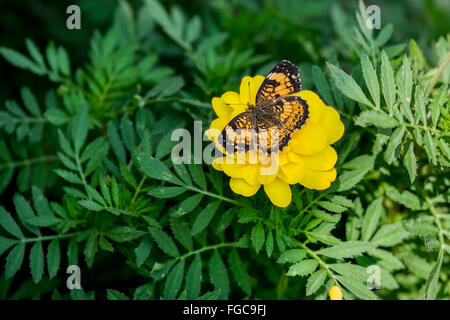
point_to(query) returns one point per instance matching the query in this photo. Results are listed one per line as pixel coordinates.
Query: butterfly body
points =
(267, 126)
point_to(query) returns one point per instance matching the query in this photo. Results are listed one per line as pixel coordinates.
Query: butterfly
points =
(268, 125)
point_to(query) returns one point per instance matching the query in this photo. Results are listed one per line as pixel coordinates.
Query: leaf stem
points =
(53, 237)
(319, 260)
(439, 73)
(28, 162)
(213, 195)
(212, 247)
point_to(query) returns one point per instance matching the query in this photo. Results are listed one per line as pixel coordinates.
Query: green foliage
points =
(86, 173)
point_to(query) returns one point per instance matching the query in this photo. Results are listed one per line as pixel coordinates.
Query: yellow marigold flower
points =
(335, 293)
(308, 159)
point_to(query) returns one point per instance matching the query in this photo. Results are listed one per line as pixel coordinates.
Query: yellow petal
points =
(322, 160)
(249, 173)
(216, 128)
(334, 126)
(279, 193)
(318, 180)
(249, 88)
(220, 108)
(219, 124)
(293, 172)
(217, 163)
(241, 187)
(315, 104)
(335, 293)
(293, 157)
(233, 170)
(310, 139)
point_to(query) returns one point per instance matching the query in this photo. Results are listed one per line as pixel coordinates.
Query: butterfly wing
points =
(238, 135)
(282, 80)
(289, 113)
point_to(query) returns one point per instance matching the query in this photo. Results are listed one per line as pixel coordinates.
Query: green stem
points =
(212, 247)
(437, 220)
(81, 173)
(28, 120)
(439, 73)
(28, 162)
(138, 190)
(293, 221)
(53, 237)
(319, 260)
(213, 195)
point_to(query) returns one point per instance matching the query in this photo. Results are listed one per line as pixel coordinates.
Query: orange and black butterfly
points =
(267, 126)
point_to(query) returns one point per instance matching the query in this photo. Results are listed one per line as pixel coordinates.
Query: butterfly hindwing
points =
(292, 113)
(282, 80)
(237, 134)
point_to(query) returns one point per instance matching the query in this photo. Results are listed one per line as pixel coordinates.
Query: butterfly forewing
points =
(282, 80)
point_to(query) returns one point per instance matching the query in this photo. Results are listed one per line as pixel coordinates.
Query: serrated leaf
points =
(371, 219)
(350, 270)
(240, 274)
(349, 179)
(123, 233)
(269, 243)
(430, 147)
(303, 268)
(194, 278)
(431, 287)
(115, 295)
(258, 237)
(182, 232)
(410, 162)
(347, 249)
(19, 60)
(392, 152)
(53, 258)
(155, 169)
(439, 100)
(390, 234)
(198, 175)
(371, 79)
(315, 281)
(29, 100)
(79, 129)
(376, 118)
(65, 145)
(357, 288)
(322, 85)
(90, 205)
(116, 143)
(142, 251)
(419, 99)
(164, 242)
(8, 223)
(68, 176)
(188, 204)
(219, 275)
(387, 82)
(37, 261)
(14, 260)
(166, 192)
(407, 198)
(347, 85)
(204, 217)
(174, 281)
(330, 206)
